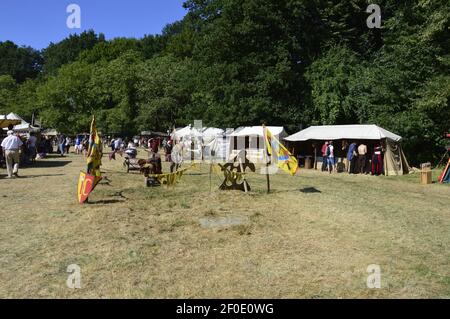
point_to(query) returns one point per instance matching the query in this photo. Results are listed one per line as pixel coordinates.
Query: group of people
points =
(172, 150)
(17, 149)
(64, 143)
(357, 160)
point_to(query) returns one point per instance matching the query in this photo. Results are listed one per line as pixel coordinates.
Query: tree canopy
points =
(231, 63)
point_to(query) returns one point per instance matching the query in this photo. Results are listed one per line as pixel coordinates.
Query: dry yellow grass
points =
(137, 242)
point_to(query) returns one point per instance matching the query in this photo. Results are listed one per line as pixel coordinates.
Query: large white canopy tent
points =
(341, 132)
(395, 162)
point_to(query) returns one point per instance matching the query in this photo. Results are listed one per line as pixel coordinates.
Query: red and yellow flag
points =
(88, 181)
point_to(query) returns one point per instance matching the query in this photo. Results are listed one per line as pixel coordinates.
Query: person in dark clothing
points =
(362, 157)
(324, 157)
(352, 157)
(377, 161)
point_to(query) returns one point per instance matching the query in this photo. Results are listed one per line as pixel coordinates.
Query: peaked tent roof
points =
(6, 120)
(339, 132)
(212, 131)
(14, 116)
(187, 131)
(258, 131)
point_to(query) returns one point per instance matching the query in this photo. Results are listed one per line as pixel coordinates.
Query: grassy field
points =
(313, 237)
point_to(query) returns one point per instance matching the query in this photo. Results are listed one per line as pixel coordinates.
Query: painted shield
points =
(86, 184)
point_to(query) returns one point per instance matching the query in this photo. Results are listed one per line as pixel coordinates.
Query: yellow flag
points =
(285, 160)
(94, 158)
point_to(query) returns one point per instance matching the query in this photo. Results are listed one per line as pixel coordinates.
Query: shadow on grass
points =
(37, 176)
(106, 201)
(310, 190)
(49, 164)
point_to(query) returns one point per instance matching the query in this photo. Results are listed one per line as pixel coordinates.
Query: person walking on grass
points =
(11, 147)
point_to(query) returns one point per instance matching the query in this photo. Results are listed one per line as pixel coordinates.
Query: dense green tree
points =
(19, 62)
(25, 101)
(110, 50)
(65, 99)
(164, 90)
(8, 90)
(231, 63)
(114, 88)
(67, 50)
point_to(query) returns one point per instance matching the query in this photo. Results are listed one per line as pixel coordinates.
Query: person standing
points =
(61, 144)
(324, 157)
(11, 147)
(32, 151)
(77, 145)
(362, 153)
(118, 144)
(351, 158)
(68, 143)
(377, 161)
(330, 157)
(176, 156)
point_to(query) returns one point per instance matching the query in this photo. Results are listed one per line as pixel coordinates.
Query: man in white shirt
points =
(118, 144)
(11, 147)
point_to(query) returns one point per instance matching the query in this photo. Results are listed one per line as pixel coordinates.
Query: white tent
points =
(214, 140)
(14, 116)
(251, 138)
(341, 132)
(187, 132)
(209, 134)
(395, 162)
(24, 127)
(6, 120)
(258, 131)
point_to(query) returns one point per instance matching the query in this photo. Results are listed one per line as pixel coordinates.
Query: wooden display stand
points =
(308, 162)
(426, 175)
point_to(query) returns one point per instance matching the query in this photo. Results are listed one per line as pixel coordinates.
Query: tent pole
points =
(266, 159)
(210, 173)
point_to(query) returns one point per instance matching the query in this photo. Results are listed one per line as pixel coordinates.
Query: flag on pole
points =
(94, 155)
(87, 181)
(284, 159)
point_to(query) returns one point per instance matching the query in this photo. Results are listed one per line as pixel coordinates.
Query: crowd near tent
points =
(251, 138)
(308, 142)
